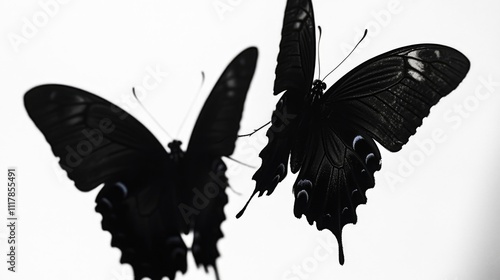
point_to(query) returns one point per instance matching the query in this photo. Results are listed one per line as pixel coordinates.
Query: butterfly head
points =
(176, 152)
(317, 90)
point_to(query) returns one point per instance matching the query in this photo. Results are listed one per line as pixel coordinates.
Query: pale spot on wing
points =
(231, 83)
(356, 140)
(414, 54)
(415, 75)
(370, 157)
(302, 15)
(437, 53)
(280, 170)
(107, 202)
(303, 195)
(123, 188)
(417, 65)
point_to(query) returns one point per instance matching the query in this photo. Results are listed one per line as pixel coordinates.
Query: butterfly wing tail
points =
(335, 173)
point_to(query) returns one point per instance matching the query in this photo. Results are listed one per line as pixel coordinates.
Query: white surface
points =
(440, 222)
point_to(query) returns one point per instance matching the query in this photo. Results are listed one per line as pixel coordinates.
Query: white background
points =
(438, 222)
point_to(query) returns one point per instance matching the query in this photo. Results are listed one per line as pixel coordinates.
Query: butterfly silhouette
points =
(329, 135)
(150, 196)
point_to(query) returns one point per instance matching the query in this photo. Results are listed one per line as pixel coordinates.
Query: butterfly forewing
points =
(95, 140)
(295, 69)
(216, 129)
(388, 96)
(214, 136)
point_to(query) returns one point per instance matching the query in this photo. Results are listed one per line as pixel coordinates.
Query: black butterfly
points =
(150, 196)
(329, 135)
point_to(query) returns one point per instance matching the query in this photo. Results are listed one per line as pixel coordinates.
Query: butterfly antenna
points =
(362, 38)
(149, 114)
(192, 103)
(255, 130)
(242, 163)
(319, 60)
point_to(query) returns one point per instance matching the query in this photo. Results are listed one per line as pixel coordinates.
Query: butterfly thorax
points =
(176, 153)
(317, 91)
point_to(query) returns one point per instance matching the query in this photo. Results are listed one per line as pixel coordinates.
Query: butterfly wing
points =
(388, 96)
(149, 241)
(385, 98)
(216, 128)
(294, 74)
(86, 131)
(97, 142)
(295, 68)
(214, 135)
(208, 188)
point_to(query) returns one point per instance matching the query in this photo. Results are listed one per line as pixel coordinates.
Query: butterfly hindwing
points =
(207, 223)
(150, 242)
(336, 169)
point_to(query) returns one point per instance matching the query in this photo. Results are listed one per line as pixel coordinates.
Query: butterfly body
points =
(317, 92)
(176, 153)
